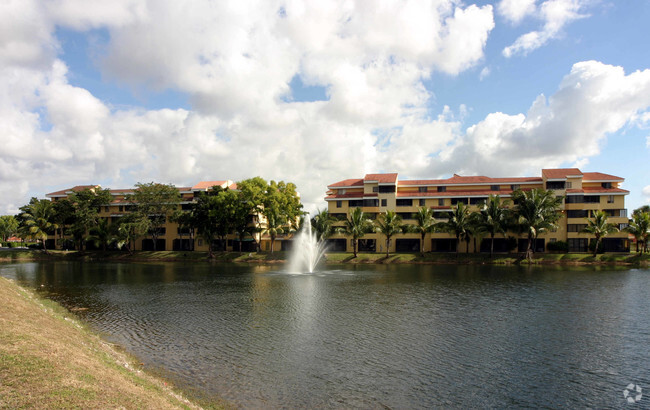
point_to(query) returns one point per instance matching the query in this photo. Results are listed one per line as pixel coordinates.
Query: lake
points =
(397, 336)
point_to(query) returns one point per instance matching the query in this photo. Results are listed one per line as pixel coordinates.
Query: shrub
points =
(559, 246)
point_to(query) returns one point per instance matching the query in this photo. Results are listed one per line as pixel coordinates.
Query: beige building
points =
(584, 193)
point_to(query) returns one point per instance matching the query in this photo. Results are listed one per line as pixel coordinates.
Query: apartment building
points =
(172, 236)
(583, 192)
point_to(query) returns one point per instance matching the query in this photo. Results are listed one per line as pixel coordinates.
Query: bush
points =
(558, 246)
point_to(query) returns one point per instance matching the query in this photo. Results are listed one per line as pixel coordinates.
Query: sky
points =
(313, 92)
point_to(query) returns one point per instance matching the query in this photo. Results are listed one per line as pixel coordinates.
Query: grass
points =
(50, 360)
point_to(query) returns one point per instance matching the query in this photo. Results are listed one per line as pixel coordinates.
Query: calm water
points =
(370, 337)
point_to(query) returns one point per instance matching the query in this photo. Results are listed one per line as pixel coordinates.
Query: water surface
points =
(415, 336)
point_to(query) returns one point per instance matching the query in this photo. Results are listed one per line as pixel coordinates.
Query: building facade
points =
(172, 236)
(583, 192)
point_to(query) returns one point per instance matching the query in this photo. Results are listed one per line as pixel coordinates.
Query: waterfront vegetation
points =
(75, 369)
(632, 258)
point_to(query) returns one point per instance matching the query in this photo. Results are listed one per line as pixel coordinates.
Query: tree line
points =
(533, 213)
(212, 215)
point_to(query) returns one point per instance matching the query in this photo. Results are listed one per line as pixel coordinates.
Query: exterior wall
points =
(612, 200)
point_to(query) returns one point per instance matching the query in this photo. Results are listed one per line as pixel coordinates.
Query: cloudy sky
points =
(313, 92)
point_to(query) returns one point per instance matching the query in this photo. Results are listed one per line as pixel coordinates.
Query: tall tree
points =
(64, 217)
(457, 224)
(599, 228)
(102, 234)
(154, 202)
(535, 212)
(128, 229)
(86, 205)
(8, 227)
(322, 224)
(357, 225)
(389, 224)
(253, 193)
(424, 223)
(493, 217)
(639, 227)
(37, 218)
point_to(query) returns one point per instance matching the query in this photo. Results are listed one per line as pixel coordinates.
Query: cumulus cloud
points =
(593, 100)
(516, 10)
(555, 14)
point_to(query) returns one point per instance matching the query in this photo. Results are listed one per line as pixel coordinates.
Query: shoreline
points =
(49, 358)
(279, 257)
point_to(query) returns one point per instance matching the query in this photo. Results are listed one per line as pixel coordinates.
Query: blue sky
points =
(311, 92)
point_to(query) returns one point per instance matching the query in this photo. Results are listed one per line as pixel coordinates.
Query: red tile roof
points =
(205, 185)
(77, 188)
(599, 176)
(457, 179)
(381, 178)
(348, 195)
(560, 173)
(454, 193)
(347, 183)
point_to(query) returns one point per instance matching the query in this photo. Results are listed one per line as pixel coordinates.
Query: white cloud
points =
(593, 100)
(555, 14)
(516, 10)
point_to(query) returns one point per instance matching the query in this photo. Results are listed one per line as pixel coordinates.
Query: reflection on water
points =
(396, 336)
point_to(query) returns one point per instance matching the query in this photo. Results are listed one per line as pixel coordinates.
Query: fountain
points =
(306, 251)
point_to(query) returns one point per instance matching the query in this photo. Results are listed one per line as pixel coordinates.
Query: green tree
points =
(86, 206)
(458, 223)
(535, 212)
(322, 224)
(102, 234)
(185, 223)
(599, 228)
(154, 203)
(253, 193)
(389, 224)
(424, 223)
(639, 227)
(128, 229)
(8, 227)
(64, 217)
(37, 219)
(356, 226)
(494, 217)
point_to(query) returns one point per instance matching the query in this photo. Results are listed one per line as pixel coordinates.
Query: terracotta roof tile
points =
(347, 183)
(454, 193)
(457, 179)
(597, 190)
(382, 178)
(599, 176)
(559, 173)
(205, 185)
(348, 195)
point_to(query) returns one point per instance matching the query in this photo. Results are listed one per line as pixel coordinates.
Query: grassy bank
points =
(49, 360)
(335, 258)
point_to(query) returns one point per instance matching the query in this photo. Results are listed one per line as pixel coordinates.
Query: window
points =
(355, 203)
(106, 209)
(423, 202)
(553, 240)
(441, 202)
(384, 202)
(375, 189)
(575, 227)
(386, 189)
(575, 199)
(406, 215)
(404, 202)
(456, 201)
(610, 199)
(592, 199)
(371, 202)
(339, 204)
(568, 185)
(442, 189)
(121, 208)
(422, 189)
(200, 242)
(515, 187)
(555, 184)
(495, 187)
(577, 245)
(607, 185)
(476, 201)
(577, 214)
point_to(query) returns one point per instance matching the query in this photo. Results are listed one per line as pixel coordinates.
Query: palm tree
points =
(322, 223)
(274, 226)
(458, 223)
(37, 218)
(424, 223)
(357, 225)
(639, 227)
(102, 234)
(536, 211)
(599, 227)
(389, 224)
(494, 218)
